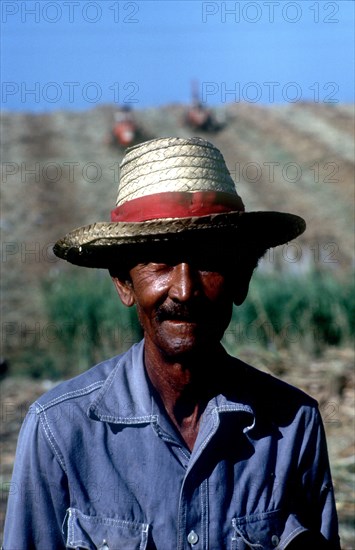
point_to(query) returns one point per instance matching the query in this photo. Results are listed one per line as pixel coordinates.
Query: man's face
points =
(184, 298)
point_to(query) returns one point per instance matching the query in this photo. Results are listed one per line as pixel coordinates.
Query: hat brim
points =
(98, 244)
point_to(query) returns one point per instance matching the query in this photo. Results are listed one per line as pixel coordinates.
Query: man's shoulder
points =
(80, 386)
(266, 391)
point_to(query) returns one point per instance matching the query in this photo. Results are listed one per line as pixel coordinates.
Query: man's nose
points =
(184, 282)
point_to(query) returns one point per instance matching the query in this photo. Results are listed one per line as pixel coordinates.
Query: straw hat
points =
(174, 188)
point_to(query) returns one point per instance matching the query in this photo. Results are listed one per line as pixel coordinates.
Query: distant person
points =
(174, 445)
(124, 130)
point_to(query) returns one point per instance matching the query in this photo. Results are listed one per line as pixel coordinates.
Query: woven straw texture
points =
(173, 164)
(88, 245)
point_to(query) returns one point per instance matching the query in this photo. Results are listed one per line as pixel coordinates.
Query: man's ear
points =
(125, 291)
(242, 289)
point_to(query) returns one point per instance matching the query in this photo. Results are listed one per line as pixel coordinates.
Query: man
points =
(174, 444)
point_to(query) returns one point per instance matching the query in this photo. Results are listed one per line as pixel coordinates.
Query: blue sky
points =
(76, 54)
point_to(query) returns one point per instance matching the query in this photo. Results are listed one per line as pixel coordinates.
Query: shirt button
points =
(192, 537)
(275, 540)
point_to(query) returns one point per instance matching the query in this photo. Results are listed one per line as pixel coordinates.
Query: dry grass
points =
(58, 173)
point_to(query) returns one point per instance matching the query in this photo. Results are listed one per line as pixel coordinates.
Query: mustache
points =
(181, 312)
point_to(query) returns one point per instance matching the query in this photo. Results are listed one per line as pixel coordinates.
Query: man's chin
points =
(181, 339)
(181, 332)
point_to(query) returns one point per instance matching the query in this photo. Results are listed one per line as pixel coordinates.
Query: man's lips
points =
(181, 321)
(179, 314)
(191, 320)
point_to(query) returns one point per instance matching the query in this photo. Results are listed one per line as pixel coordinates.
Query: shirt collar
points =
(125, 397)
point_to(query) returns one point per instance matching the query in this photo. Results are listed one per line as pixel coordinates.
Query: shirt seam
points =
(292, 535)
(128, 420)
(45, 424)
(235, 407)
(139, 526)
(70, 395)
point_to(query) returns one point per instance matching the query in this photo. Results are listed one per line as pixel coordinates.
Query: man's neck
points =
(185, 385)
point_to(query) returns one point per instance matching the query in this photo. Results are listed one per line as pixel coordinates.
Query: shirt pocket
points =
(266, 531)
(104, 533)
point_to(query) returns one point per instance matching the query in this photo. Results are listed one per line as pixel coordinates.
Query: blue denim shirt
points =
(99, 465)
